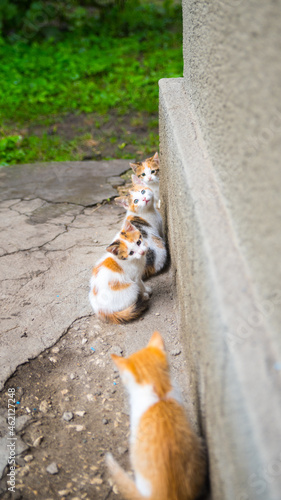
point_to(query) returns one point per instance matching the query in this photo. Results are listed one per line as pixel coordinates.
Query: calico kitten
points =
(142, 213)
(117, 293)
(166, 456)
(148, 172)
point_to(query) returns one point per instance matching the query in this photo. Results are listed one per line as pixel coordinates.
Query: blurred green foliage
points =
(29, 20)
(60, 57)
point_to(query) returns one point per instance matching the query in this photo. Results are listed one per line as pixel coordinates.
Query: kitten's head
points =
(149, 366)
(147, 170)
(129, 245)
(139, 199)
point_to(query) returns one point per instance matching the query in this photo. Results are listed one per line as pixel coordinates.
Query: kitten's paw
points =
(148, 289)
(145, 296)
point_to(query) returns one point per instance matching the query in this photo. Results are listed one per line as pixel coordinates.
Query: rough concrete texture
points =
(234, 356)
(71, 405)
(49, 242)
(232, 74)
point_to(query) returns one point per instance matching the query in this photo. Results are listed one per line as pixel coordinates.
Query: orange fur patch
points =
(111, 264)
(150, 366)
(116, 285)
(95, 291)
(132, 312)
(158, 241)
(135, 219)
(149, 271)
(130, 236)
(165, 438)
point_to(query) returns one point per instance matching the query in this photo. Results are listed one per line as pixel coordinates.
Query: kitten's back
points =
(167, 456)
(166, 440)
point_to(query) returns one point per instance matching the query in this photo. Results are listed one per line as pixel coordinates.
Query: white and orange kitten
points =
(167, 458)
(141, 212)
(148, 172)
(117, 292)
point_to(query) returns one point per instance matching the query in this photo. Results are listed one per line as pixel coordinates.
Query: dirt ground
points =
(70, 404)
(95, 137)
(71, 407)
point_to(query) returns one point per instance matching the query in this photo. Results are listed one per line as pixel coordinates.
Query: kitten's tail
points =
(129, 314)
(125, 484)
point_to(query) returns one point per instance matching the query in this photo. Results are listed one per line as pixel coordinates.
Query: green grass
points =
(43, 82)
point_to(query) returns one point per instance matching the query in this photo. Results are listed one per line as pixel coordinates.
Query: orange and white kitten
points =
(167, 457)
(148, 171)
(117, 292)
(141, 212)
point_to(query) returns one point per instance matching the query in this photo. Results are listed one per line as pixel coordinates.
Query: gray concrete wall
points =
(232, 73)
(220, 146)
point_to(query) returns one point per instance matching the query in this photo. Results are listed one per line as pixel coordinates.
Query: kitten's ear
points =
(155, 157)
(128, 227)
(134, 166)
(113, 247)
(137, 181)
(122, 201)
(120, 362)
(157, 341)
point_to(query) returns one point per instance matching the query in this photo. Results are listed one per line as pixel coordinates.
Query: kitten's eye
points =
(138, 242)
(153, 171)
(142, 191)
(136, 201)
(131, 252)
(143, 175)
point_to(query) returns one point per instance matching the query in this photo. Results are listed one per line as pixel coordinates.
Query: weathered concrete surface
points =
(82, 183)
(48, 249)
(49, 242)
(229, 326)
(232, 74)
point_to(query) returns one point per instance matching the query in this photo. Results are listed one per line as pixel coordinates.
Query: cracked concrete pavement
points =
(54, 225)
(51, 234)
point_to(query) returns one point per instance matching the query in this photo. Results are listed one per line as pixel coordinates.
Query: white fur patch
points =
(141, 396)
(143, 485)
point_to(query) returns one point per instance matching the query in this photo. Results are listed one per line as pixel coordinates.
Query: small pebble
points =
(38, 441)
(28, 458)
(55, 350)
(96, 480)
(68, 415)
(64, 493)
(53, 359)
(72, 376)
(52, 468)
(104, 421)
(157, 314)
(175, 352)
(84, 341)
(80, 413)
(78, 427)
(43, 407)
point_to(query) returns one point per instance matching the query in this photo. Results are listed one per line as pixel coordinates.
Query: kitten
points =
(166, 456)
(142, 213)
(117, 293)
(148, 171)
